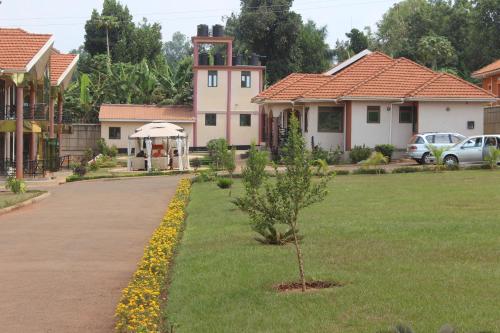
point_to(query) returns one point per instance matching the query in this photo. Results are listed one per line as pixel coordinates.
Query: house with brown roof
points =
(372, 99)
(33, 77)
(490, 76)
(119, 121)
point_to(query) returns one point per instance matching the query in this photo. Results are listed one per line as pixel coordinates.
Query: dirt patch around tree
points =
(311, 286)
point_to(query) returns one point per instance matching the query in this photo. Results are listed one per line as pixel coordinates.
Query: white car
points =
(471, 150)
(417, 146)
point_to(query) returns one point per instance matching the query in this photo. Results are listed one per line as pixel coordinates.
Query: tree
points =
(282, 200)
(436, 52)
(177, 49)
(357, 40)
(316, 53)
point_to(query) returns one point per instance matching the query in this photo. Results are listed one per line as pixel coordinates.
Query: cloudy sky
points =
(65, 19)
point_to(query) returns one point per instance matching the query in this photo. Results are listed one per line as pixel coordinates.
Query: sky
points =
(65, 19)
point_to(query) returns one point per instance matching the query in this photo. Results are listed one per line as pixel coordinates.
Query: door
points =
(471, 151)
(490, 142)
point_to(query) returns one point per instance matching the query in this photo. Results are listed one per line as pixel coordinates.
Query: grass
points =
(8, 199)
(421, 249)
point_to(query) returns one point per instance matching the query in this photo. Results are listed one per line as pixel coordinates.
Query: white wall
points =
(433, 117)
(207, 133)
(212, 98)
(128, 128)
(241, 98)
(244, 135)
(326, 140)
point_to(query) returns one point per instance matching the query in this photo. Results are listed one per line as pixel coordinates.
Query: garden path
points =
(65, 260)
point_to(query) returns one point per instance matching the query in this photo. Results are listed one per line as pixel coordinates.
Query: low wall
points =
(80, 137)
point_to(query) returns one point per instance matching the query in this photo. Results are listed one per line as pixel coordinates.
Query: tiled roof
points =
(374, 76)
(129, 112)
(489, 69)
(59, 63)
(18, 48)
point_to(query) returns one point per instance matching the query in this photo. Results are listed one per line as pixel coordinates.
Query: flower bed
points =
(139, 307)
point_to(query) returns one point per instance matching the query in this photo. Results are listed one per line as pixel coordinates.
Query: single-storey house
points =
(372, 99)
(119, 121)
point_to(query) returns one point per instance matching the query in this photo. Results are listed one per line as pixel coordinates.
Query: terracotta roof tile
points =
(18, 48)
(375, 76)
(129, 112)
(493, 67)
(59, 62)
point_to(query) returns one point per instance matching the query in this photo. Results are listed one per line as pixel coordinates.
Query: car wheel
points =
(450, 160)
(426, 159)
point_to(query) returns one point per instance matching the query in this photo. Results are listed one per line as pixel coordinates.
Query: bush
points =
(217, 150)
(359, 153)
(477, 167)
(224, 182)
(386, 150)
(331, 157)
(365, 171)
(341, 172)
(103, 148)
(88, 155)
(80, 170)
(16, 186)
(195, 163)
(112, 151)
(205, 176)
(93, 166)
(104, 161)
(407, 170)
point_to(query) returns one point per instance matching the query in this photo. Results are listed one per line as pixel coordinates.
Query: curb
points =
(25, 203)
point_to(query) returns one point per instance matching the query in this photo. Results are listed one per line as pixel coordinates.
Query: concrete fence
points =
(79, 138)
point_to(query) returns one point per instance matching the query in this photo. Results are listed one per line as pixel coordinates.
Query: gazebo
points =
(160, 139)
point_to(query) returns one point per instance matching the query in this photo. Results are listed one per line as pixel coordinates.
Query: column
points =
(51, 117)
(32, 118)
(60, 116)
(19, 132)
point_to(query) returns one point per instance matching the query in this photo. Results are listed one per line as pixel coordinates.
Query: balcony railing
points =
(35, 167)
(38, 112)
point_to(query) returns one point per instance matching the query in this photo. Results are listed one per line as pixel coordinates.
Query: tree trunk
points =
(299, 258)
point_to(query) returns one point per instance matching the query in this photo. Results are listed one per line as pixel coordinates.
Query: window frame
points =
(246, 83)
(306, 119)
(117, 137)
(207, 115)
(332, 109)
(211, 83)
(471, 124)
(249, 119)
(406, 110)
(372, 109)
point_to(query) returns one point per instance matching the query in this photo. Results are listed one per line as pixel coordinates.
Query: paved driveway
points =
(64, 261)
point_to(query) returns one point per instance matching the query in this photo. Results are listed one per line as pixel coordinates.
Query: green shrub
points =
(80, 170)
(205, 176)
(105, 161)
(376, 158)
(224, 182)
(365, 171)
(112, 151)
(386, 150)
(359, 153)
(407, 170)
(104, 149)
(195, 163)
(477, 167)
(331, 157)
(217, 150)
(16, 186)
(93, 166)
(341, 172)
(492, 158)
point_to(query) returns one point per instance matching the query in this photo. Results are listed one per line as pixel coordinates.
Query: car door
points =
(471, 150)
(442, 140)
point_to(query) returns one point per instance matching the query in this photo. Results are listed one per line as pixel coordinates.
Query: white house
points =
(372, 99)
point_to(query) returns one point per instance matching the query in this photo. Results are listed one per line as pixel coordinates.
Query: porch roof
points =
(374, 76)
(146, 113)
(489, 70)
(20, 50)
(61, 66)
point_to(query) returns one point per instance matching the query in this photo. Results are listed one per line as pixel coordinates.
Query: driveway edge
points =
(25, 203)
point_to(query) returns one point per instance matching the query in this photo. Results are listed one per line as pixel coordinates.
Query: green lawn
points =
(421, 249)
(10, 199)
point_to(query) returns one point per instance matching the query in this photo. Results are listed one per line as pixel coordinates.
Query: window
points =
(490, 141)
(471, 125)
(457, 138)
(115, 133)
(210, 119)
(330, 119)
(429, 138)
(306, 119)
(245, 120)
(212, 78)
(246, 79)
(373, 115)
(442, 138)
(405, 114)
(417, 140)
(473, 143)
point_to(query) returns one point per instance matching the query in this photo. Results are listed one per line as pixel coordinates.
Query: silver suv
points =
(471, 150)
(417, 146)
